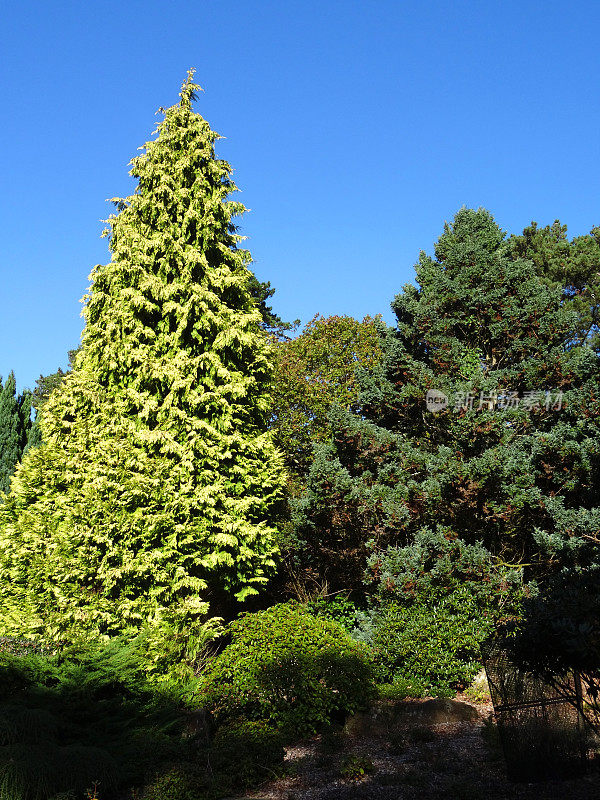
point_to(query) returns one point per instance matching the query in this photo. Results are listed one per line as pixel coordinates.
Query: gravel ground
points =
(414, 750)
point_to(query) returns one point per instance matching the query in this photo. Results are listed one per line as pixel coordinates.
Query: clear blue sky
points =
(355, 129)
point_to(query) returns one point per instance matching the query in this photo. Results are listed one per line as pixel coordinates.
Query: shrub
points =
(436, 649)
(401, 688)
(438, 566)
(355, 767)
(289, 667)
(246, 751)
(338, 608)
(242, 753)
(84, 716)
(432, 604)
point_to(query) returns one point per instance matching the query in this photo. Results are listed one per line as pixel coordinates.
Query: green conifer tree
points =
(482, 326)
(153, 493)
(10, 431)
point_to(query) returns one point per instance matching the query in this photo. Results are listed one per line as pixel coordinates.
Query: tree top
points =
(189, 90)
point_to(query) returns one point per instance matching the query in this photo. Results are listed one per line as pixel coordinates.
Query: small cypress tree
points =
(10, 431)
(16, 428)
(154, 491)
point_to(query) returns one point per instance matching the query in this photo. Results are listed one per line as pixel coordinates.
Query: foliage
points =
(559, 630)
(354, 767)
(86, 716)
(519, 479)
(15, 428)
(402, 687)
(314, 371)
(435, 647)
(436, 566)
(478, 691)
(262, 291)
(287, 667)
(157, 484)
(246, 751)
(241, 754)
(571, 265)
(186, 781)
(46, 384)
(338, 608)
(431, 605)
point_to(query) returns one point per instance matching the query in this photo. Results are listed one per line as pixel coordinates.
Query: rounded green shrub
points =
(433, 648)
(289, 667)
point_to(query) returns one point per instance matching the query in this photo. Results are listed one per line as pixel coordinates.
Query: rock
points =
(383, 717)
(441, 711)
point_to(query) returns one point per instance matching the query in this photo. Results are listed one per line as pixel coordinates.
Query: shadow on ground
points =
(412, 750)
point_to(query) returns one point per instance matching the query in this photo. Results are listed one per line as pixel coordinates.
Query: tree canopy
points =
(504, 464)
(314, 371)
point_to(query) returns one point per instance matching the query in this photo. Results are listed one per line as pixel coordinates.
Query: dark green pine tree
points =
(571, 264)
(153, 495)
(483, 326)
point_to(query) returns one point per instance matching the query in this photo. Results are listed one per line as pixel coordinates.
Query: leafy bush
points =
(435, 648)
(433, 604)
(338, 608)
(401, 688)
(289, 667)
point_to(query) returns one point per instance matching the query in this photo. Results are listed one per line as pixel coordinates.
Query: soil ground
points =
(413, 750)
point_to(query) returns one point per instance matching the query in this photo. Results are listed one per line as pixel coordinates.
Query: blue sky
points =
(354, 128)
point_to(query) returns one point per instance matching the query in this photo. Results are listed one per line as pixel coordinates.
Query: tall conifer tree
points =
(154, 492)
(16, 428)
(496, 466)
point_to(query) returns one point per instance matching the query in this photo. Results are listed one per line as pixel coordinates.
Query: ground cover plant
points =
(83, 717)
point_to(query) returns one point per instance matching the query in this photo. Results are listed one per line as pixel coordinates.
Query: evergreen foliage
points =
(87, 716)
(521, 481)
(151, 501)
(290, 668)
(271, 322)
(431, 604)
(46, 384)
(573, 265)
(15, 428)
(314, 372)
